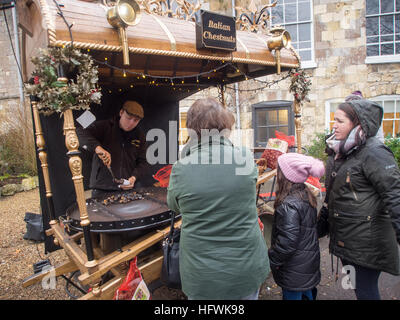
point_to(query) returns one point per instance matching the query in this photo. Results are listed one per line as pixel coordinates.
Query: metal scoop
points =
(115, 180)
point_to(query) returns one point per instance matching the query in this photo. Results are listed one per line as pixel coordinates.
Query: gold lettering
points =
(219, 25)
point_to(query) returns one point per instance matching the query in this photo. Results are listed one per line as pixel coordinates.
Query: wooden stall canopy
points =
(158, 45)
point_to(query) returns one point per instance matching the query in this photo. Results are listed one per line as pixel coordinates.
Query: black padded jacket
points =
(127, 149)
(364, 199)
(294, 254)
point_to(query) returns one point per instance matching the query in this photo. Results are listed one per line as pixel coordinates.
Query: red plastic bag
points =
(261, 225)
(162, 175)
(130, 284)
(289, 139)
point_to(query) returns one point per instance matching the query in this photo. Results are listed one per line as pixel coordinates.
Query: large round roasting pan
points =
(149, 212)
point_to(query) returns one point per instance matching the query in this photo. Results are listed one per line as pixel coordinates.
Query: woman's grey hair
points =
(209, 114)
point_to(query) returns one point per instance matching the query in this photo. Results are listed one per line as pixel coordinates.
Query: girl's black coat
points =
(294, 254)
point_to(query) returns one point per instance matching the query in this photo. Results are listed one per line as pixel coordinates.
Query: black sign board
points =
(215, 31)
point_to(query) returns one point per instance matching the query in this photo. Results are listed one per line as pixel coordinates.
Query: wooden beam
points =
(63, 268)
(150, 271)
(74, 252)
(128, 252)
(266, 176)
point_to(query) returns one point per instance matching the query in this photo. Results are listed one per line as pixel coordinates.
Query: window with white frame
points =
(383, 31)
(297, 18)
(330, 109)
(391, 113)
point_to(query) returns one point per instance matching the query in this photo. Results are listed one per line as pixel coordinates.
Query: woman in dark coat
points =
(294, 254)
(362, 208)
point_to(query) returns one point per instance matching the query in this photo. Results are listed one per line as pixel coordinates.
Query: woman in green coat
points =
(223, 254)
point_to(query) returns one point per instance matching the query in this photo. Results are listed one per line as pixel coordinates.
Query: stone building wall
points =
(9, 93)
(340, 53)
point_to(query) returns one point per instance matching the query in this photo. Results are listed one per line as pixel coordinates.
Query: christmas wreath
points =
(300, 84)
(58, 96)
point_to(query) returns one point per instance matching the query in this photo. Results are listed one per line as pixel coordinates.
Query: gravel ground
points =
(18, 255)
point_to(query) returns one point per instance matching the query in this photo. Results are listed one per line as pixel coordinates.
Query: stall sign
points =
(215, 31)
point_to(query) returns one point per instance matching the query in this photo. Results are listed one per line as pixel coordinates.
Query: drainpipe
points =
(18, 57)
(237, 91)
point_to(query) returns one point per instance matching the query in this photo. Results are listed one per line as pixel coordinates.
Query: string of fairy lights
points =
(176, 82)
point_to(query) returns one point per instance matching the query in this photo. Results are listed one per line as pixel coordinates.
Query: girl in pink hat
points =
(294, 254)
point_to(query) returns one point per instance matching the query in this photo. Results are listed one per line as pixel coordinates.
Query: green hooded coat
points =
(223, 254)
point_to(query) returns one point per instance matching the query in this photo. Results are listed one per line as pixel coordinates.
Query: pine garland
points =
(55, 96)
(300, 84)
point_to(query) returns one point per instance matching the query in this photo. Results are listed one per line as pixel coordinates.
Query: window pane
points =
(373, 39)
(285, 130)
(304, 11)
(271, 132)
(261, 118)
(387, 126)
(283, 117)
(261, 135)
(289, 1)
(372, 26)
(397, 5)
(372, 6)
(305, 55)
(387, 6)
(290, 13)
(387, 25)
(373, 50)
(398, 109)
(305, 45)
(397, 128)
(292, 29)
(387, 49)
(277, 14)
(272, 118)
(397, 23)
(387, 38)
(388, 109)
(397, 47)
(305, 32)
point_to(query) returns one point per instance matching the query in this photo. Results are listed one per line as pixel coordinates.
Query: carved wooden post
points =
(42, 154)
(297, 123)
(75, 165)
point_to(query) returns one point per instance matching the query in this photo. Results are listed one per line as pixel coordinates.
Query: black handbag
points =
(170, 275)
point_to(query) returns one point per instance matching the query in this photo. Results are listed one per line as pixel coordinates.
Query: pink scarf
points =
(355, 138)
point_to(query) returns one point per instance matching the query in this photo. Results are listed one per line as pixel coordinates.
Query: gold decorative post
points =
(75, 165)
(42, 154)
(297, 122)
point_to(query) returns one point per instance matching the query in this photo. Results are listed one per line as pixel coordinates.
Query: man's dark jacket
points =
(294, 254)
(364, 199)
(127, 149)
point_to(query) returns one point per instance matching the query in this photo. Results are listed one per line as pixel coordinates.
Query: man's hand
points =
(104, 155)
(131, 184)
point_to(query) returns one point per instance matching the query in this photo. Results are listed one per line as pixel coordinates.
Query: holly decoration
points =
(57, 96)
(300, 84)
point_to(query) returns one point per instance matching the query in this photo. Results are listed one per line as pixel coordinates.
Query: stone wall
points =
(340, 52)
(9, 93)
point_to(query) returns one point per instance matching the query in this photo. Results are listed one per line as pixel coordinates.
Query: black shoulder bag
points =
(170, 275)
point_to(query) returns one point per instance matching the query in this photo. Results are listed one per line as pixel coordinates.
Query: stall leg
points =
(42, 154)
(75, 165)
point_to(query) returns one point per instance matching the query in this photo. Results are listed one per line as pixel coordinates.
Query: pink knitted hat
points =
(297, 167)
